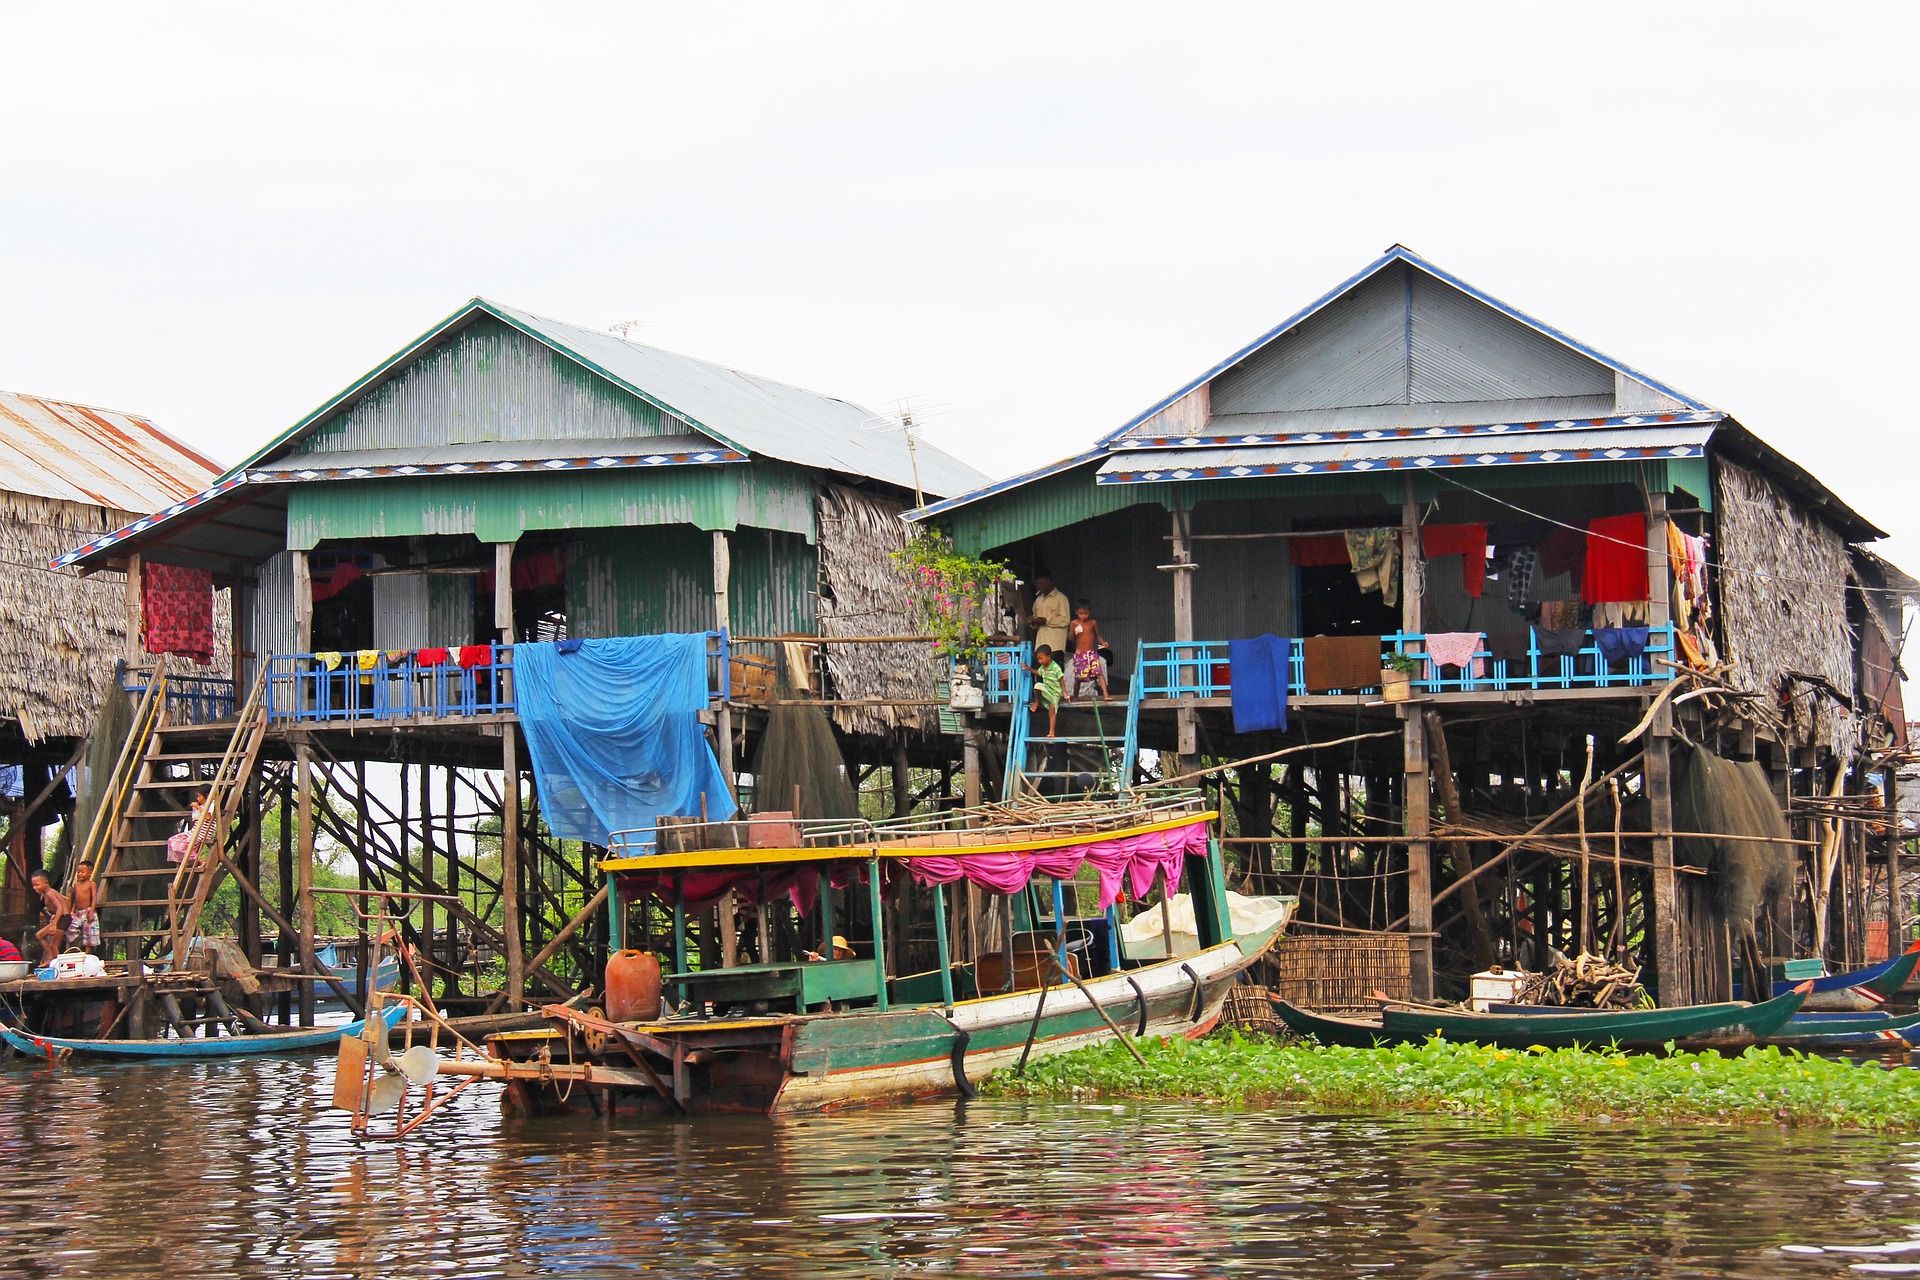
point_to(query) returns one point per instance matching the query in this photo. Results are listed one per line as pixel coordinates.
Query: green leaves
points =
(1760, 1086)
(953, 594)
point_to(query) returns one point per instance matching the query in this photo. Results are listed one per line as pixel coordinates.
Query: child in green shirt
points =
(1046, 685)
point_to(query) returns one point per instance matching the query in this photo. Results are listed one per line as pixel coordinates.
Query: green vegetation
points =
(1760, 1086)
(953, 594)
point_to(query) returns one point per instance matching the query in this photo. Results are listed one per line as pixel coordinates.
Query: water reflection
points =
(237, 1170)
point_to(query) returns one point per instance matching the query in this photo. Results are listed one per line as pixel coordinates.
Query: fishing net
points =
(1731, 797)
(799, 766)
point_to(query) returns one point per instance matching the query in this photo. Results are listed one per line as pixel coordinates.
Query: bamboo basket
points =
(1342, 971)
(1247, 1009)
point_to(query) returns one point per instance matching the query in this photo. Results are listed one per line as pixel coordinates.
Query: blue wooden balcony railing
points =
(190, 699)
(1199, 668)
(398, 686)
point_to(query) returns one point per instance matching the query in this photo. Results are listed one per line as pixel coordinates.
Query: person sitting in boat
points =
(52, 933)
(841, 950)
(85, 932)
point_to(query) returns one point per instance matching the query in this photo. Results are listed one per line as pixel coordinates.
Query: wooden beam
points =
(303, 876)
(1665, 924)
(1187, 721)
(303, 602)
(1417, 818)
(510, 862)
(135, 618)
(503, 590)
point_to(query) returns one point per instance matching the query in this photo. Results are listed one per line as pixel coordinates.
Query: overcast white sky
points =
(1043, 216)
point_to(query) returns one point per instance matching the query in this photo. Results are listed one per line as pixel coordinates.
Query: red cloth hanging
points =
(542, 570)
(1563, 551)
(1308, 552)
(176, 610)
(1466, 540)
(430, 657)
(475, 655)
(1616, 560)
(342, 577)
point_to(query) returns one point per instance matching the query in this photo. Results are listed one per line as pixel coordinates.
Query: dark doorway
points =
(1331, 604)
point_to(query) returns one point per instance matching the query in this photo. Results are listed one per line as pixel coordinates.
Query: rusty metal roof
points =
(100, 457)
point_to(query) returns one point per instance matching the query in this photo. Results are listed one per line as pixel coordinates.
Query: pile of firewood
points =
(1589, 982)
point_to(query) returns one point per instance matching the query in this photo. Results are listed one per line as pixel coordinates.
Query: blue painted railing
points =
(398, 686)
(190, 699)
(1199, 668)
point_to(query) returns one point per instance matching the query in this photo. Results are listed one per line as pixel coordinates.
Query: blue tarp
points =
(1259, 685)
(614, 732)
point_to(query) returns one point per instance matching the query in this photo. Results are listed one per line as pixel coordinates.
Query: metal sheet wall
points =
(401, 611)
(1053, 503)
(1463, 349)
(634, 582)
(1354, 352)
(273, 625)
(498, 508)
(771, 590)
(489, 382)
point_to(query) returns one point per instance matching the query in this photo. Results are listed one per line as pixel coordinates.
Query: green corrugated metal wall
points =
(499, 508)
(625, 582)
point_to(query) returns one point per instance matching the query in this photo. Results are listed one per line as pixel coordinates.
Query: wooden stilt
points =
(510, 887)
(303, 875)
(1417, 824)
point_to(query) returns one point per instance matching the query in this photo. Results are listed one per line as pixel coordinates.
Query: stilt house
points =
(1411, 474)
(507, 478)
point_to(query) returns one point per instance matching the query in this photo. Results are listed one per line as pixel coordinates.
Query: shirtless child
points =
(85, 930)
(1086, 663)
(53, 911)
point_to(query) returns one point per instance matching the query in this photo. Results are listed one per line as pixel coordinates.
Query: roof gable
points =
(98, 457)
(1404, 332)
(492, 373)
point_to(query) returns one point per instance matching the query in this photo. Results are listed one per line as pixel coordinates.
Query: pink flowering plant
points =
(953, 594)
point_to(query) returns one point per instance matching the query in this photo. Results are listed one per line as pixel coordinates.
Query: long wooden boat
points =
(33, 1045)
(385, 973)
(1351, 1033)
(1727, 1025)
(1804, 1030)
(790, 1034)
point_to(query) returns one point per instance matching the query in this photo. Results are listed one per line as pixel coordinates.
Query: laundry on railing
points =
(1262, 670)
(1456, 649)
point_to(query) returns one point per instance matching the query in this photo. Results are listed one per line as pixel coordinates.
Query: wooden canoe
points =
(1353, 1033)
(1802, 1031)
(1858, 990)
(1690, 1026)
(58, 1047)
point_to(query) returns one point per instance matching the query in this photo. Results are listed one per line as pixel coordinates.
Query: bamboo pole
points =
(1583, 926)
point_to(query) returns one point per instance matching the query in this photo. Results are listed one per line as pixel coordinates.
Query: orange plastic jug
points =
(633, 986)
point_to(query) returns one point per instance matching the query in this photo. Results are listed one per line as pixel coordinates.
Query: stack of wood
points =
(1589, 982)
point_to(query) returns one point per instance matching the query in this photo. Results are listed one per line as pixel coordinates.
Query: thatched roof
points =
(1783, 596)
(866, 592)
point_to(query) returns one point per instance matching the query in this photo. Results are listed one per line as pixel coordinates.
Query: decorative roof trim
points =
(1133, 444)
(1423, 463)
(1001, 486)
(275, 476)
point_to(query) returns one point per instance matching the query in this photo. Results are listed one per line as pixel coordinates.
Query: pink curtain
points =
(1133, 861)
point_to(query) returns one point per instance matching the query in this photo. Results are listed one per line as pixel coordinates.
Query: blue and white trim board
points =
(1423, 463)
(1129, 444)
(269, 476)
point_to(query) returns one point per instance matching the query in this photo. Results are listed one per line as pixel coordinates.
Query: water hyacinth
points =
(1759, 1086)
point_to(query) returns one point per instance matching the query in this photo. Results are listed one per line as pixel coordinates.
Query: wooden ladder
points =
(160, 769)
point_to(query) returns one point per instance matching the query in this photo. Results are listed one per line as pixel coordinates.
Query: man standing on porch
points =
(1051, 612)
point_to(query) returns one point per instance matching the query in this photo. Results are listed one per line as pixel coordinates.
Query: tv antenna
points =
(908, 413)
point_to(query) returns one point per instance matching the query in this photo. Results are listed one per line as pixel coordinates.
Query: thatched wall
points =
(1783, 606)
(866, 592)
(60, 633)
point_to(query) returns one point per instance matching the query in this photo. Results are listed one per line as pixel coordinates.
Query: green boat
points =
(1700, 1026)
(1705, 1026)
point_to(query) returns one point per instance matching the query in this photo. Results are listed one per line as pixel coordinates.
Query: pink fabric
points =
(800, 884)
(1456, 649)
(1134, 861)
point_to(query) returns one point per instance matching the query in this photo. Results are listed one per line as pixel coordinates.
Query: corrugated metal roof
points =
(750, 413)
(427, 455)
(1611, 444)
(100, 457)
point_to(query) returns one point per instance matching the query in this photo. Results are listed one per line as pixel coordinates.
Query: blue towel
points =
(570, 646)
(1260, 677)
(1617, 644)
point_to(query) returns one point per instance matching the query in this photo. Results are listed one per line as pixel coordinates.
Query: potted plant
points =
(1396, 677)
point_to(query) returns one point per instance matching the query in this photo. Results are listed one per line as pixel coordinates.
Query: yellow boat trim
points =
(703, 858)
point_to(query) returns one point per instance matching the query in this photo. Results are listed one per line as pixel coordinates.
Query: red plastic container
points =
(633, 986)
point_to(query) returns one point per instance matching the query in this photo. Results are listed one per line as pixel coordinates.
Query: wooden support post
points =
(239, 597)
(723, 621)
(1413, 575)
(287, 948)
(303, 602)
(970, 764)
(503, 591)
(303, 875)
(902, 776)
(364, 881)
(1187, 719)
(136, 614)
(427, 869)
(1664, 919)
(249, 923)
(510, 861)
(1896, 907)
(1418, 820)
(1659, 608)
(1440, 763)
(453, 891)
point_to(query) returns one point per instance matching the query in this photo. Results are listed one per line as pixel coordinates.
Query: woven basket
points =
(1342, 971)
(1248, 1009)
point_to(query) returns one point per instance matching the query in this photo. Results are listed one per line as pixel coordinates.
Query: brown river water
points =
(240, 1170)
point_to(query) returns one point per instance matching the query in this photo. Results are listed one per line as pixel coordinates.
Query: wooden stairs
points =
(149, 796)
